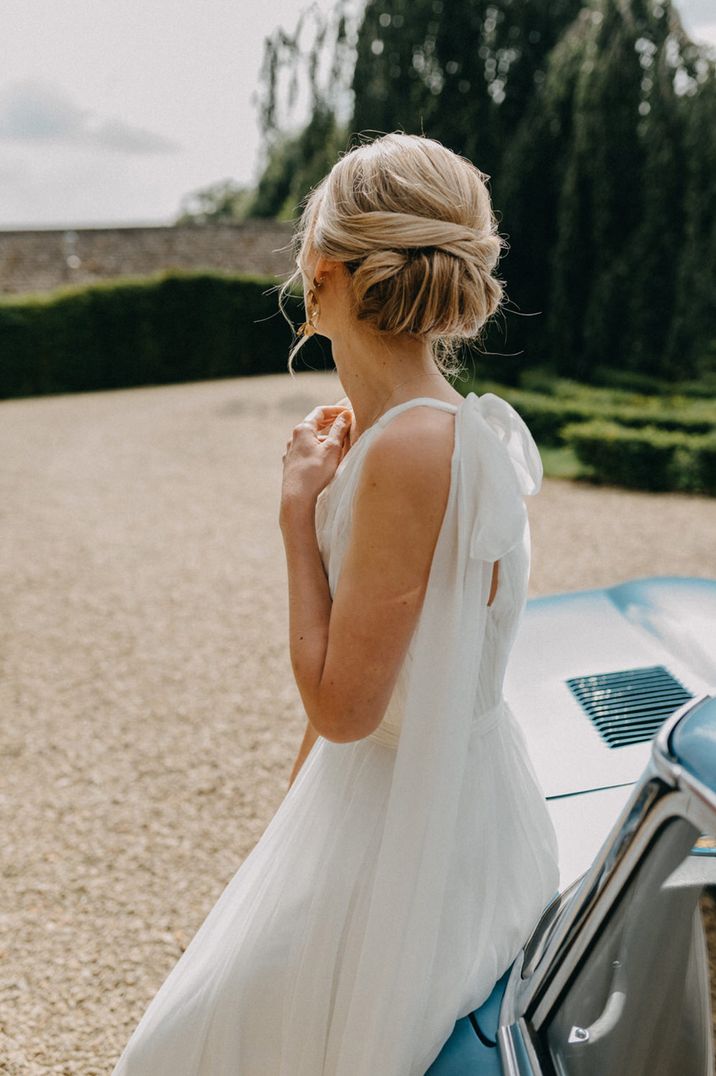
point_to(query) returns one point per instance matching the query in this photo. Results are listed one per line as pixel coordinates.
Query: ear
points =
(327, 267)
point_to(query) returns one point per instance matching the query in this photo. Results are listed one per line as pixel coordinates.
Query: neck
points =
(378, 373)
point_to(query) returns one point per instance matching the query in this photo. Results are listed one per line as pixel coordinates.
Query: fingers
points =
(331, 418)
(321, 411)
(338, 429)
(340, 420)
(319, 417)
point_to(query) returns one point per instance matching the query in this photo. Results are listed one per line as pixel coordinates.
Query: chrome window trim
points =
(517, 1053)
(534, 949)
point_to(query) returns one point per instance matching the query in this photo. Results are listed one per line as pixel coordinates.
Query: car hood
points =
(654, 622)
(667, 622)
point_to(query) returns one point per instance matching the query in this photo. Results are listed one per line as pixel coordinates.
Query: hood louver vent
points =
(628, 707)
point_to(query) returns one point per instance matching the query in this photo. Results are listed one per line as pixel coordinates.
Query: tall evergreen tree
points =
(655, 244)
(623, 197)
(461, 72)
(690, 346)
(321, 69)
(595, 188)
(527, 189)
(595, 125)
(600, 203)
(295, 163)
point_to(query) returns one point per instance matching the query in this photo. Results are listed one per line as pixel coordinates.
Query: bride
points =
(413, 853)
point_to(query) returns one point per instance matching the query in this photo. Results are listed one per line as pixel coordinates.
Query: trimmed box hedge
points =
(649, 458)
(171, 327)
(547, 415)
(618, 386)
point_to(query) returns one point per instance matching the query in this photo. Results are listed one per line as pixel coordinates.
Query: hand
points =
(345, 402)
(312, 455)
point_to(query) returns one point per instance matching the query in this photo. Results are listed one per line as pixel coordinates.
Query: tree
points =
(621, 212)
(690, 345)
(295, 163)
(313, 67)
(222, 201)
(461, 72)
(594, 124)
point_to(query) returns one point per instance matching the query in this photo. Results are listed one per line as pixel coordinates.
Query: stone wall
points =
(42, 259)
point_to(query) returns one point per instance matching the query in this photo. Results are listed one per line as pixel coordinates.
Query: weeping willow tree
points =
(307, 72)
(463, 73)
(690, 341)
(628, 181)
(460, 72)
(595, 124)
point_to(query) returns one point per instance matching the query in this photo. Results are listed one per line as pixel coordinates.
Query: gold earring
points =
(309, 327)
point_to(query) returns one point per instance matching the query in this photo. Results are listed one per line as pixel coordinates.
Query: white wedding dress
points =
(402, 872)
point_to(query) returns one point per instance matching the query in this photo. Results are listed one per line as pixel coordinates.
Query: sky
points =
(110, 113)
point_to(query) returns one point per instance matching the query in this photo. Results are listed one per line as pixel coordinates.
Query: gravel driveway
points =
(149, 714)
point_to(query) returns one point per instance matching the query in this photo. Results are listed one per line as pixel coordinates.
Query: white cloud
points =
(110, 113)
(35, 110)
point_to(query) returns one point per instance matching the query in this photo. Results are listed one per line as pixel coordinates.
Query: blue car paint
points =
(469, 1052)
(641, 591)
(693, 743)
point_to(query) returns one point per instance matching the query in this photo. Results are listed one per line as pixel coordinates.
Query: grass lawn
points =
(561, 462)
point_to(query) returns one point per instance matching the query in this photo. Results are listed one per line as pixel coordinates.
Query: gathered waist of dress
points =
(388, 732)
(487, 720)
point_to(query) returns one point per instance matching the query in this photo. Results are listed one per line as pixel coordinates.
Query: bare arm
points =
(308, 590)
(309, 738)
(309, 609)
(346, 654)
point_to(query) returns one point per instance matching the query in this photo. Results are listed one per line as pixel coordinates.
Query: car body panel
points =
(693, 744)
(666, 621)
(582, 822)
(465, 1055)
(593, 631)
(469, 1050)
(619, 979)
(669, 621)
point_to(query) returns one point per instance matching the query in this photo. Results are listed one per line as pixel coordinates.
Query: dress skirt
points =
(262, 988)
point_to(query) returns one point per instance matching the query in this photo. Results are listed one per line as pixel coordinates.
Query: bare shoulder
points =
(412, 453)
(398, 506)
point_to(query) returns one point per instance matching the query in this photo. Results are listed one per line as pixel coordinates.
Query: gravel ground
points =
(150, 718)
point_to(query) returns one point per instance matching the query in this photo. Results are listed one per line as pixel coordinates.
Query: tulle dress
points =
(402, 872)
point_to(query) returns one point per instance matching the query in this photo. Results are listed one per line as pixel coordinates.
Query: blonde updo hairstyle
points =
(413, 223)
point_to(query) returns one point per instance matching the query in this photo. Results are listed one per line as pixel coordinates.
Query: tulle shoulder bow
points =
(499, 464)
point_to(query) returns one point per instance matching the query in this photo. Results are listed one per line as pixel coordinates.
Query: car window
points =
(639, 1003)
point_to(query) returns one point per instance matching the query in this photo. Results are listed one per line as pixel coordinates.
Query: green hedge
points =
(649, 458)
(175, 326)
(617, 386)
(645, 384)
(547, 415)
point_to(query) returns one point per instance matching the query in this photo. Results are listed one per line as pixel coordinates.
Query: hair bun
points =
(414, 225)
(429, 290)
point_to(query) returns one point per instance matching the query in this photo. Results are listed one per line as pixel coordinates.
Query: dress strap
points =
(415, 402)
(386, 417)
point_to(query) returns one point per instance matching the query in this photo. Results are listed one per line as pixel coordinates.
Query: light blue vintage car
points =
(616, 692)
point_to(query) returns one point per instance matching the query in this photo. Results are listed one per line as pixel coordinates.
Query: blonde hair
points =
(413, 223)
